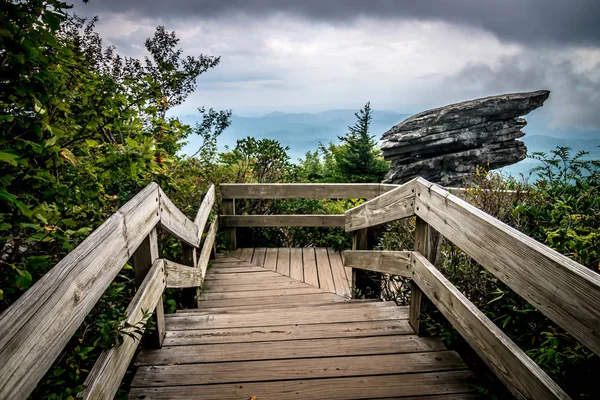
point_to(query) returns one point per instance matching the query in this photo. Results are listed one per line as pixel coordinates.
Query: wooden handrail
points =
(301, 190)
(35, 329)
(564, 290)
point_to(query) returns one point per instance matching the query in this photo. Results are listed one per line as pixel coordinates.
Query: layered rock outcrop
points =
(445, 145)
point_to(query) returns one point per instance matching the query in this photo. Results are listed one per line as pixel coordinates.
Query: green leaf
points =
(9, 156)
(4, 226)
(7, 197)
(1, 295)
(41, 218)
(24, 280)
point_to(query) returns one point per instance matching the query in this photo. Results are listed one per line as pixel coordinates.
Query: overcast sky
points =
(406, 56)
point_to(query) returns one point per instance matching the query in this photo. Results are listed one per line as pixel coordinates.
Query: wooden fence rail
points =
(564, 290)
(35, 329)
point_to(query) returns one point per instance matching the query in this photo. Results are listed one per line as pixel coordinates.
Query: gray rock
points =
(446, 144)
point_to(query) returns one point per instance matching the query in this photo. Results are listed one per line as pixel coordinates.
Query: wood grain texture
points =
(35, 328)
(276, 350)
(271, 259)
(387, 262)
(565, 291)
(143, 259)
(231, 221)
(259, 303)
(324, 270)
(259, 256)
(105, 377)
(296, 270)
(246, 254)
(181, 276)
(368, 387)
(428, 242)
(311, 368)
(395, 204)
(228, 208)
(212, 287)
(288, 332)
(340, 280)
(273, 291)
(311, 276)
(283, 261)
(204, 211)
(520, 374)
(207, 248)
(299, 190)
(175, 222)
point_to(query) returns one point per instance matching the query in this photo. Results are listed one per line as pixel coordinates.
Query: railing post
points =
(189, 256)
(428, 242)
(360, 241)
(230, 233)
(143, 258)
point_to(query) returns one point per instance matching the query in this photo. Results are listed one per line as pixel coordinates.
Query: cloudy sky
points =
(407, 56)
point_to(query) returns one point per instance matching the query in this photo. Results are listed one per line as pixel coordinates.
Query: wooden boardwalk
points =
(261, 333)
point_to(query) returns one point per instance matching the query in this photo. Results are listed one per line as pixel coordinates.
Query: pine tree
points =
(358, 157)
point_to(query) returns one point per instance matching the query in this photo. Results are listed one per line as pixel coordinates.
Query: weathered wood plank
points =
(228, 208)
(224, 270)
(387, 262)
(311, 276)
(395, 204)
(244, 287)
(259, 256)
(204, 211)
(300, 289)
(324, 270)
(428, 242)
(520, 374)
(335, 347)
(283, 316)
(246, 254)
(189, 257)
(182, 276)
(298, 300)
(105, 377)
(296, 270)
(331, 220)
(175, 222)
(288, 332)
(207, 248)
(311, 368)
(271, 258)
(340, 280)
(140, 215)
(239, 277)
(564, 290)
(34, 329)
(143, 259)
(418, 384)
(299, 190)
(283, 261)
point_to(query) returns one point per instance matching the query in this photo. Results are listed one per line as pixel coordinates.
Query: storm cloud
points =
(408, 56)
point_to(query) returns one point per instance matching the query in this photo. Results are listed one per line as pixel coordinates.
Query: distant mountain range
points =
(303, 132)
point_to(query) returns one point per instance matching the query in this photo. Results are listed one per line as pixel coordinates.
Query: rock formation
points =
(446, 144)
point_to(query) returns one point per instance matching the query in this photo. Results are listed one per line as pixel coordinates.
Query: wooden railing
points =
(232, 191)
(566, 292)
(36, 328)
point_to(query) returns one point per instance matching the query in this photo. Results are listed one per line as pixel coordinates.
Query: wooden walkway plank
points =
(296, 266)
(308, 368)
(293, 300)
(324, 270)
(259, 256)
(297, 349)
(276, 292)
(271, 259)
(310, 266)
(283, 261)
(342, 285)
(215, 288)
(247, 254)
(288, 332)
(418, 384)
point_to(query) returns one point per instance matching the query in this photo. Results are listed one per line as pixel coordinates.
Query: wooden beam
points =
(204, 211)
(176, 223)
(189, 257)
(428, 242)
(299, 190)
(282, 220)
(565, 291)
(387, 262)
(143, 260)
(523, 377)
(395, 204)
(105, 377)
(36, 327)
(181, 276)
(207, 248)
(228, 206)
